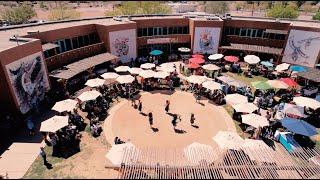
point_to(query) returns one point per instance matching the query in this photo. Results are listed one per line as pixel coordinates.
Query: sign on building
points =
(206, 40)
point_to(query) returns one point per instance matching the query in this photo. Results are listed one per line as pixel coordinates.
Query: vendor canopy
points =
(306, 101)
(299, 126)
(147, 66)
(95, 82)
(255, 120)
(54, 124)
(234, 99)
(215, 57)
(110, 75)
(65, 105)
(252, 59)
(245, 107)
(122, 68)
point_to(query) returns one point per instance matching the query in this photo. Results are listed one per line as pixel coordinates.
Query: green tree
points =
(280, 11)
(316, 16)
(238, 6)
(216, 7)
(18, 15)
(62, 12)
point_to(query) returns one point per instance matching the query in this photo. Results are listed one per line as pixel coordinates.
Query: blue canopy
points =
(266, 63)
(156, 52)
(299, 126)
(298, 68)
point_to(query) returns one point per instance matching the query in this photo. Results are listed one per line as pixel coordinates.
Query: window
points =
(86, 40)
(265, 35)
(164, 29)
(145, 32)
(231, 31)
(237, 32)
(243, 32)
(68, 44)
(226, 31)
(91, 38)
(170, 30)
(155, 31)
(186, 30)
(249, 32)
(175, 30)
(259, 33)
(150, 31)
(271, 36)
(180, 30)
(254, 33)
(62, 45)
(75, 43)
(46, 54)
(80, 41)
(139, 32)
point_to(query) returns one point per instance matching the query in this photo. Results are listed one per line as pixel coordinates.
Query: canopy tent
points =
(290, 82)
(147, 73)
(245, 107)
(191, 152)
(156, 52)
(312, 74)
(110, 75)
(184, 49)
(167, 65)
(166, 69)
(135, 70)
(161, 74)
(234, 99)
(54, 124)
(147, 66)
(117, 152)
(193, 66)
(298, 68)
(299, 127)
(263, 85)
(89, 95)
(252, 59)
(122, 69)
(197, 56)
(210, 67)
(196, 60)
(197, 79)
(254, 120)
(65, 105)
(306, 101)
(266, 63)
(282, 67)
(215, 57)
(291, 109)
(211, 85)
(277, 84)
(95, 82)
(231, 58)
(125, 79)
(228, 140)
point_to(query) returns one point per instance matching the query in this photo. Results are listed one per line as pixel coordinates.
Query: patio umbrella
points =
(277, 84)
(245, 107)
(196, 60)
(135, 70)
(198, 56)
(252, 59)
(118, 151)
(228, 140)
(290, 82)
(266, 63)
(184, 49)
(165, 69)
(231, 58)
(299, 126)
(65, 105)
(306, 101)
(254, 120)
(298, 68)
(122, 68)
(95, 82)
(167, 65)
(125, 79)
(156, 52)
(215, 57)
(147, 73)
(147, 66)
(161, 74)
(89, 95)
(261, 85)
(234, 99)
(211, 85)
(110, 75)
(54, 124)
(196, 79)
(210, 67)
(294, 110)
(282, 67)
(193, 66)
(191, 152)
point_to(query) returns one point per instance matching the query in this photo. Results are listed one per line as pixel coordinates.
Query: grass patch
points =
(245, 79)
(229, 109)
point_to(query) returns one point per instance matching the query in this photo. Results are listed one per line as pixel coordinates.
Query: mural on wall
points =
(29, 81)
(302, 48)
(206, 40)
(123, 44)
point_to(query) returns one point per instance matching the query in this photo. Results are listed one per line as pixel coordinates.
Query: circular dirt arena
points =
(128, 124)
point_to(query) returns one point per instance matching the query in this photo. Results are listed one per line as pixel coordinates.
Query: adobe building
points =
(30, 53)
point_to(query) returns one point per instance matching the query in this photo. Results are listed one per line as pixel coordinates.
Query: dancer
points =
(167, 106)
(139, 105)
(150, 119)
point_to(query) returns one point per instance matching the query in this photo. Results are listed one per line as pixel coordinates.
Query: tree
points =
(316, 16)
(62, 12)
(280, 11)
(238, 6)
(307, 8)
(216, 7)
(18, 15)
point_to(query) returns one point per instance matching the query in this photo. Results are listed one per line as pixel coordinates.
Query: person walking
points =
(150, 119)
(174, 121)
(44, 156)
(139, 105)
(192, 119)
(167, 106)
(198, 97)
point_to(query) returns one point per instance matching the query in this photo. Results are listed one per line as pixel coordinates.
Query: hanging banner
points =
(161, 40)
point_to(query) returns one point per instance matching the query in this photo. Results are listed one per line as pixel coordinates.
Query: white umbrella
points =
(166, 69)
(147, 66)
(147, 73)
(184, 49)
(282, 67)
(197, 79)
(65, 105)
(54, 124)
(245, 107)
(118, 151)
(167, 65)
(124, 79)
(89, 95)
(228, 140)
(234, 99)
(211, 85)
(252, 59)
(122, 68)
(277, 84)
(308, 102)
(95, 82)
(211, 67)
(196, 152)
(215, 56)
(135, 70)
(254, 120)
(110, 75)
(161, 74)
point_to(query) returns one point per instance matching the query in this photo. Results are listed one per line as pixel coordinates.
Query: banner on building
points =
(206, 40)
(161, 40)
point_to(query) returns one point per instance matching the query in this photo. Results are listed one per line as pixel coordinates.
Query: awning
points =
(253, 48)
(312, 74)
(49, 46)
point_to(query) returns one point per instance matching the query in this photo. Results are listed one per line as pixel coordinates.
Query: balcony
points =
(253, 41)
(62, 59)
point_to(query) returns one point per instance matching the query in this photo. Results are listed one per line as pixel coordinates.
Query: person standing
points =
(167, 106)
(44, 156)
(150, 119)
(192, 119)
(174, 121)
(139, 105)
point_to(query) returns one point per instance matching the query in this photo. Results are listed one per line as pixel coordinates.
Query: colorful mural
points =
(123, 44)
(29, 81)
(206, 40)
(302, 48)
